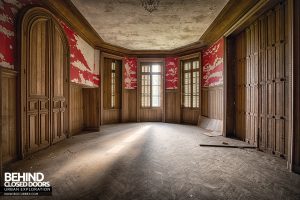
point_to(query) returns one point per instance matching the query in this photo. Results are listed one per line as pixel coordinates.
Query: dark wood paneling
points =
(172, 107)
(9, 118)
(229, 88)
(251, 83)
(76, 109)
(296, 70)
(240, 87)
(91, 114)
(273, 82)
(212, 102)
(262, 82)
(129, 106)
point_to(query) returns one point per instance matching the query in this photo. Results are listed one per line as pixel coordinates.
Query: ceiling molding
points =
(229, 15)
(253, 14)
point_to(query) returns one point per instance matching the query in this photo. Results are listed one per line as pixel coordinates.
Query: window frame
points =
(112, 68)
(190, 71)
(150, 73)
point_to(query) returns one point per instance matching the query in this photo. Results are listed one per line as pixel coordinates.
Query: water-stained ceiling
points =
(127, 24)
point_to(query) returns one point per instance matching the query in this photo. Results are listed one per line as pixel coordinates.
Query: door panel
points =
(37, 86)
(58, 100)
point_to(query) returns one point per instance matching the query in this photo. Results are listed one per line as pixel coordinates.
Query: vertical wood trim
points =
(163, 78)
(123, 95)
(138, 104)
(179, 90)
(294, 41)
(225, 87)
(101, 87)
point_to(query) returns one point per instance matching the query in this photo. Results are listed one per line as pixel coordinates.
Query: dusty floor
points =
(158, 161)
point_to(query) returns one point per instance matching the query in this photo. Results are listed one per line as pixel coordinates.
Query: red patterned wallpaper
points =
(8, 12)
(84, 59)
(84, 67)
(130, 73)
(212, 64)
(171, 71)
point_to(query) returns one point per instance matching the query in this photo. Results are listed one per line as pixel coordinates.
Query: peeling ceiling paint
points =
(127, 24)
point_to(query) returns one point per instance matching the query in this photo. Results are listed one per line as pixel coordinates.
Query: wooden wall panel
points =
(111, 116)
(212, 102)
(129, 106)
(240, 87)
(261, 82)
(273, 82)
(251, 82)
(76, 109)
(172, 107)
(190, 116)
(9, 123)
(151, 115)
(91, 114)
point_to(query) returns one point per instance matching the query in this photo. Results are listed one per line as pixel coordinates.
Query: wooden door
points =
(37, 90)
(59, 86)
(44, 81)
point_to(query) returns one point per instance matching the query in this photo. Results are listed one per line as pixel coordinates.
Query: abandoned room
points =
(150, 99)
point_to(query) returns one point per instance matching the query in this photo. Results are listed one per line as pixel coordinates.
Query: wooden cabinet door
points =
(59, 80)
(37, 90)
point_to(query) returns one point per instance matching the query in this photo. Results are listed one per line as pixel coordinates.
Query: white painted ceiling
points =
(127, 24)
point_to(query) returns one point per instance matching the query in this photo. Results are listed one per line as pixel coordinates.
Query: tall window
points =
(113, 84)
(191, 84)
(150, 85)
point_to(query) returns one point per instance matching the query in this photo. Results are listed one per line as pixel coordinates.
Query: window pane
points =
(145, 68)
(155, 79)
(145, 99)
(113, 85)
(195, 64)
(187, 66)
(155, 101)
(155, 68)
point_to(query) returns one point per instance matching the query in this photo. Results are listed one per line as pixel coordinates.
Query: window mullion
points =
(151, 86)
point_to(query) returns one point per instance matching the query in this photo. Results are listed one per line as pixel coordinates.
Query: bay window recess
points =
(150, 85)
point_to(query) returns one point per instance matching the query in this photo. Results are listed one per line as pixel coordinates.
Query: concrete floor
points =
(158, 161)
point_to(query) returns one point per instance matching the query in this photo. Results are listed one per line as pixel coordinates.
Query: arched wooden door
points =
(44, 81)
